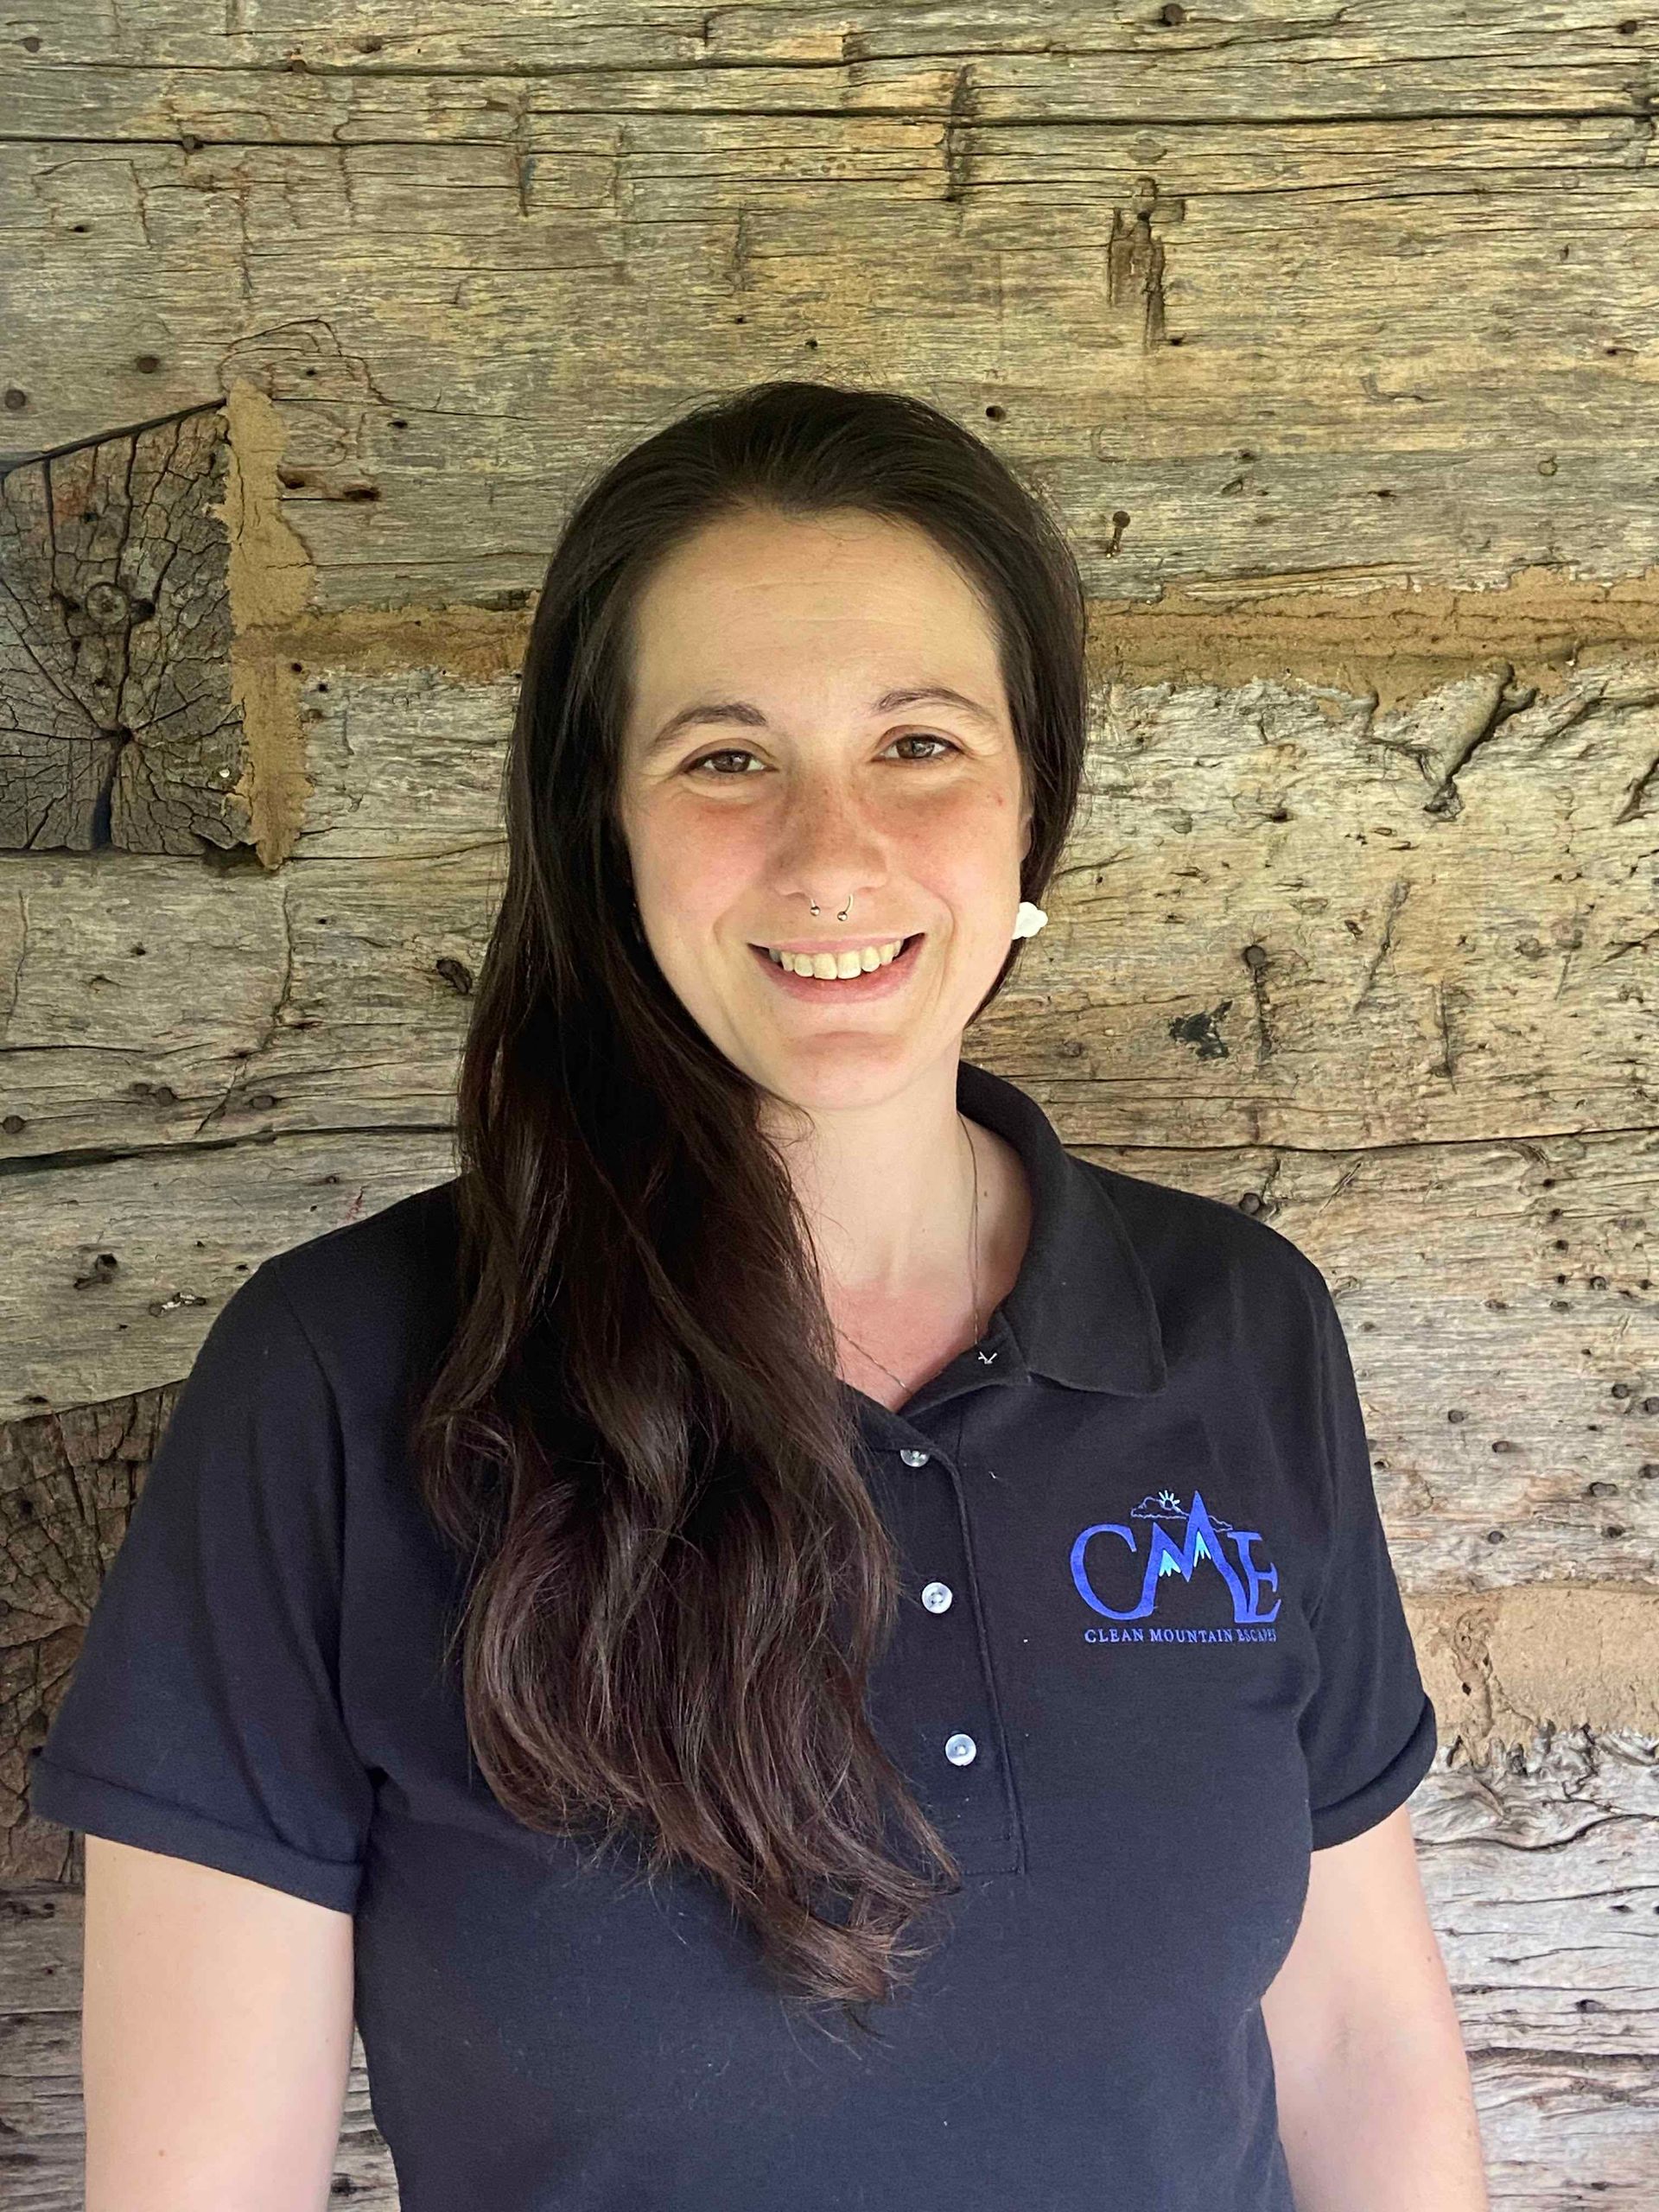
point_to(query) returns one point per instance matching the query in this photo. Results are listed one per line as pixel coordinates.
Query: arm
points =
(216, 2038)
(1376, 2106)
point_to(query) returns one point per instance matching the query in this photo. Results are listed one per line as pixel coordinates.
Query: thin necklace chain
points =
(979, 1329)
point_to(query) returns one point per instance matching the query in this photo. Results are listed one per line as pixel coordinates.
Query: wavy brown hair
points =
(677, 1578)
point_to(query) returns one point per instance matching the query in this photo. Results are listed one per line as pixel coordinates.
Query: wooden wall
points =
(1333, 336)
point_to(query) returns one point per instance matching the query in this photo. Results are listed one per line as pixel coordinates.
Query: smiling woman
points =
(946, 1570)
(915, 830)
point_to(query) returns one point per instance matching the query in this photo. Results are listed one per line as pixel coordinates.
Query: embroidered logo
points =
(1201, 1547)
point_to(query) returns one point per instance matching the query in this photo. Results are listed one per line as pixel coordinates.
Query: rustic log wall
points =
(1332, 333)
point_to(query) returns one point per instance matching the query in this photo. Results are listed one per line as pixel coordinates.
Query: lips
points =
(877, 952)
(869, 983)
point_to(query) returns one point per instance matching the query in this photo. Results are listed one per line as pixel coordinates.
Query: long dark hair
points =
(678, 1579)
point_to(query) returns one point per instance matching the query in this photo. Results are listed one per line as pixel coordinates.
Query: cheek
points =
(966, 847)
(692, 864)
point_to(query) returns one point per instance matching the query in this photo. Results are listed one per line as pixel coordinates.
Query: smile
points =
(861, 971)
(828, 967)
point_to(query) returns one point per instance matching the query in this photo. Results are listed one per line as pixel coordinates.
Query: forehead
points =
(826, 612)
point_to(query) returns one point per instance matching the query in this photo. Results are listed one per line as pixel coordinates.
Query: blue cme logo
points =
(1201, 1540)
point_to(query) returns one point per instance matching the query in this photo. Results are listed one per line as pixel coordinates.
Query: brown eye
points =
(926, 737)
(725, 753)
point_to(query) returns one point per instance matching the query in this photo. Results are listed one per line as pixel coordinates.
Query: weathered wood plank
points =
(1311, 61)
(1540, 1862)
(1567, 2133)
(337, 1000)
(1502, 1459)
(1094, 300)
(1429, 925)
(116, 1239)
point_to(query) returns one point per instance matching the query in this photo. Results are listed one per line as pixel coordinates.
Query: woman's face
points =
(764, 765)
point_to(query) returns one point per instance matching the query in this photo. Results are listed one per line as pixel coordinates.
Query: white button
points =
(913, 1458)
(960, 1748)
(937, 1596)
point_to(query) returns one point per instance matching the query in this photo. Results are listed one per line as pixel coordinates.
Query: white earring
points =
(1029, 920)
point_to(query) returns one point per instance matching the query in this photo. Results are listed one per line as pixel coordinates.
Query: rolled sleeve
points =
(202, 1717)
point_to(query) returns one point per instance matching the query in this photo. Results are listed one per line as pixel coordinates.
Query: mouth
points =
(882, 967)
(879, 954)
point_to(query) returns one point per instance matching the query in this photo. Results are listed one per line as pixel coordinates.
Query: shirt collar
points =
(1081, 1312)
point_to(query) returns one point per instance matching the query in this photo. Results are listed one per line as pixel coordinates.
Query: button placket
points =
(976, 1817)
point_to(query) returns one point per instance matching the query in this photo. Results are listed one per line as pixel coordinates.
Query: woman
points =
(777, 1541)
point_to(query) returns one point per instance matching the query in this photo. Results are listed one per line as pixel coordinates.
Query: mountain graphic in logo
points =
(1202, 1547)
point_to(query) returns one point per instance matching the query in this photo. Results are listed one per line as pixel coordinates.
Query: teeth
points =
(828, 966)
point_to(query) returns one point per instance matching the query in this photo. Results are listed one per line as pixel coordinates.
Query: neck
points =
(886, 1188)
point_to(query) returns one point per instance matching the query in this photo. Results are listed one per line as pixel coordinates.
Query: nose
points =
(827, 849)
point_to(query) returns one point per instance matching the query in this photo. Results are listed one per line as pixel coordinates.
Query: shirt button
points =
(960, 1748)
(913, 1458)
(937, 1596)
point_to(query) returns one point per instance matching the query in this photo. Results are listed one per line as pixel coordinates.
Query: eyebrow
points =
(750, 717)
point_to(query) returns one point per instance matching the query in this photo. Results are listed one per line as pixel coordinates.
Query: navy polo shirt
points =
(1151, 1653)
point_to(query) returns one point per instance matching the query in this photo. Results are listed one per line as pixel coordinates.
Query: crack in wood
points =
(1134, 258)
(1399, 893)
(962, 114)
(116, 687)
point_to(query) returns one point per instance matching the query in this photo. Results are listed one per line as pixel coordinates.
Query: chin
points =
(838, 1074)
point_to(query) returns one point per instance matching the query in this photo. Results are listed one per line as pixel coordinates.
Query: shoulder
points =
(376, 1295)
(1206, 1261)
